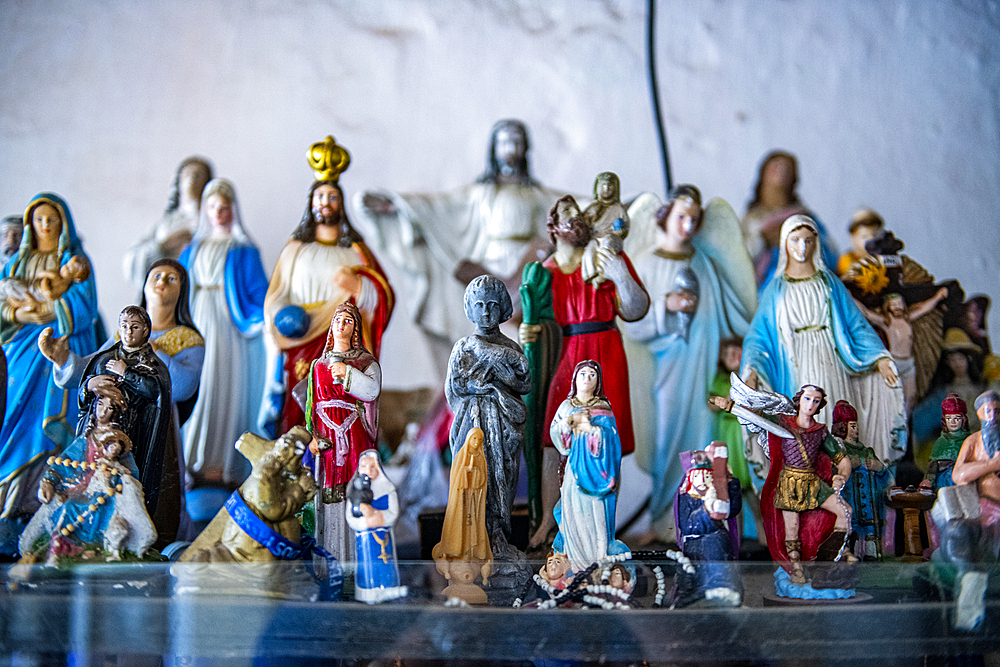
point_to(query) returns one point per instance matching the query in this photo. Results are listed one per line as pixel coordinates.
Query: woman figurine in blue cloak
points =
(39, 414)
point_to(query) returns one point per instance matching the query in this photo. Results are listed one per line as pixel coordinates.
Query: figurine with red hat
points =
(865, 489)
(954, 431)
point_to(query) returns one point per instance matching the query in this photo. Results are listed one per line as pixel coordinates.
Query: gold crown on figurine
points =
(328, 159)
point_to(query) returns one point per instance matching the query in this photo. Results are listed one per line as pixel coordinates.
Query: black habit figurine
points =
(132, 365)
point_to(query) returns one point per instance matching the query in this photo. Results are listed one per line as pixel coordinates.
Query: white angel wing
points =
(721, 239)
(643, 231)
(769, 403)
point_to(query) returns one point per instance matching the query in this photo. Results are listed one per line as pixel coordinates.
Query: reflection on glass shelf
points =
(902, 612)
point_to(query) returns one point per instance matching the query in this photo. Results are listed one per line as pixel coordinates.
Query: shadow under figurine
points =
(372, 510)
(255, 544)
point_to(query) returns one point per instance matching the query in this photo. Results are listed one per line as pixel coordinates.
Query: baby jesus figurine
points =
(48, 286)
(609, 225)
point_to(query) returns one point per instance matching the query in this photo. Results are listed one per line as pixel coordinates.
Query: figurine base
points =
(786, 589)
(377, 595)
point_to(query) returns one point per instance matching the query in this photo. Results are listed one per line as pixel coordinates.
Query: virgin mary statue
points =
(808, 330)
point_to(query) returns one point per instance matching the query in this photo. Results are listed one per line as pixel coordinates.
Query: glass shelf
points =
(117, 609)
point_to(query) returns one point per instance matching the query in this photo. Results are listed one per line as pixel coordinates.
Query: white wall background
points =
(890, 104)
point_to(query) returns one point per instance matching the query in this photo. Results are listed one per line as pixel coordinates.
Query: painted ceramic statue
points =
(323, 265)
(866, 489)
(775, 200)
(177, 227)
(609, 224)
(954, 432)
(40, 416)
(342, 391)
(968, 514)
(808, 330)
(371, 511)
(92, 501)
(805, 517)
(487, 375)
(227, 305)
(584, 430)
(441, 241)
(174, 339)
(131, 364)
(464, 553)
(865, 225)
(11, 229)
(586, 314)
(708, 501)
(700, 283)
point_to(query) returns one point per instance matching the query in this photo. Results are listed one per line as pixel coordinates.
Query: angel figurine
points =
(701, 288)
(805, 518)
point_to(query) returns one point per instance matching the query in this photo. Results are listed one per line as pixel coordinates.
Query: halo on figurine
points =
(328, 159)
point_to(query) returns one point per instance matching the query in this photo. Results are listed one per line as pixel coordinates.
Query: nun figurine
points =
(372, 510)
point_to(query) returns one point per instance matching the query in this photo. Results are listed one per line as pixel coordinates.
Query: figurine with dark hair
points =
(132, 365)
(586, 314)
(804, 516)
(954, 431)
(341, 408)
(585, 432)
(229, 283)
(325, 264)
(442, 241)
(958, 372)
(775, 200)
(701, 289)
(865, 490)
(371, 511)
(178, 224)
(976, 311)
(487, 375)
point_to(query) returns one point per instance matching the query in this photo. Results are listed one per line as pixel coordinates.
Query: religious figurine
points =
(608, 221)
(894, 321)
(229, 285)
(585, 432)
(323, 265)
(969, 521)
(174, 339)
(808, 330)
(464, 550)
(725, 427)
(92, 501)
(372, 510)
(866, 489)
(132, 365)
(11, 229)
(38, 413)
(487, 375)
(708, 502)
(175, 229)
(976, 311)
(440, 242)
(954, 431)
(805, 517)
(341, 410)
(586, 313)
(865, 225)
(775, 200)
(557, 571)
(703, 243)
(15, 291)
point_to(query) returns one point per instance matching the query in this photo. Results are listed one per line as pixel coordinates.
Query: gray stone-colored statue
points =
(487, 375)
